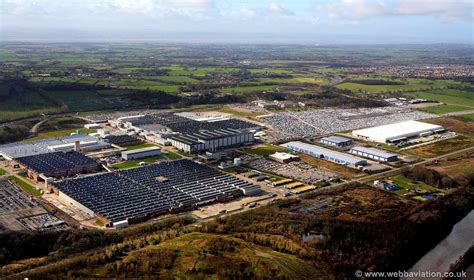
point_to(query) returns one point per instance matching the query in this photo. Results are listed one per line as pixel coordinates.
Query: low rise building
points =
(141, 153)
(283, 157)
(372, 153)
(326, 154)
(336, 141)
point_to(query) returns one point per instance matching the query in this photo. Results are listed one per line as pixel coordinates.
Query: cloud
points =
(243, 13)
(278, 9)
(354, 10)
(190, 4)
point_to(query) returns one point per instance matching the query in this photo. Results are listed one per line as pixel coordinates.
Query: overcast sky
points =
(258, 21)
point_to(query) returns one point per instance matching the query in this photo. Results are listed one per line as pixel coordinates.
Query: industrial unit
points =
(336, 141)
(373, 153)
(397, 132)
(57, 165)
(323, 153)
(141, 193)
(141, 153)
(189, 134)
(283, 157)
(211, 140)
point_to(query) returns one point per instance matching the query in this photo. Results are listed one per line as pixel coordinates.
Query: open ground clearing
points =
(441, 147)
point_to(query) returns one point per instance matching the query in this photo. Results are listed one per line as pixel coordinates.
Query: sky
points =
(240, 21)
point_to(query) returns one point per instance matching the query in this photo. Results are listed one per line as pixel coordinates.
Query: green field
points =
(443, 109)
(244, 90)
(264, 150)
(172, 155)
(469, 117)
(3, 171)
(448, 96)
(408, 184)
(24, 185)
(408, 84)
(134, 163)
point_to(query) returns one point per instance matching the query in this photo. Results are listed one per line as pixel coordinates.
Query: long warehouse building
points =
(141, 153)
(327, 154)
(397, 132)
(372, 153)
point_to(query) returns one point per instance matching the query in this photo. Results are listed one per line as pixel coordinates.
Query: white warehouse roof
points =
(142, 150)
(373, 151)
(396, 131)
(326, 153)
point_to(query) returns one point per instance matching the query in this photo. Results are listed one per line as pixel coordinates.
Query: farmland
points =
(443, 109)
(55, 79)
(447, 96)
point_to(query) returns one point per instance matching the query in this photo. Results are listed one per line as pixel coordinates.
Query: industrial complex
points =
(138, 166)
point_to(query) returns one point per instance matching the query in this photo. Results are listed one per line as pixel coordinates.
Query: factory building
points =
(92, 126)
(326, 154)
(141, 193)
(141, 153)
(57, 165)
(336, 141)
(372, 153)
(43, 146)
(83, 146)
(397, 132)
(206, 140)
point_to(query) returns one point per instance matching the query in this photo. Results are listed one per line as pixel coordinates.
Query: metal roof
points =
(143, 150)
(373, 151)
(336, 139)
(30, 148)
(327, 153)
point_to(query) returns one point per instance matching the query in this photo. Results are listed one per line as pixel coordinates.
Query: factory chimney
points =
(77, 146)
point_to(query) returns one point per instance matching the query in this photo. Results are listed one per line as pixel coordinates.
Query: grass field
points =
(2, 171)
(443, 109)
(264, 150)
(408, 184)
(244, 90)
(441, 147)
(59, 133)
(469, 117)
(24, 185)
(390, 147)
(408, 84)
(172, 155)
(139, 146)
(134, 163)
(448, 96)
